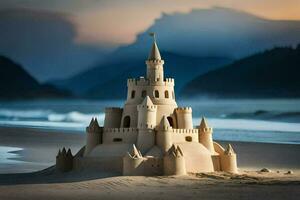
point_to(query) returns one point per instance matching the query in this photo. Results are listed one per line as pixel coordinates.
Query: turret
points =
(113, 117)
(132, 163)
(184, 118)
(64, 160)
(228, 160)
(205, 135)
(94, 135)
(174, 162)
(163, 136)
(146, 114)
(155, 71)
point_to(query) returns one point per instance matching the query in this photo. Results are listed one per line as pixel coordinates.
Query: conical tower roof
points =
(147, 102)
(229, 150)
(203, 123)
(164, 123)
(154, 53)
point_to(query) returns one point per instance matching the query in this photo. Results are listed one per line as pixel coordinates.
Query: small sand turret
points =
(228, 160)
(174, 163)
(205, 135)
(64, 160)
(94, 135)
(163, 136)
(133, 163)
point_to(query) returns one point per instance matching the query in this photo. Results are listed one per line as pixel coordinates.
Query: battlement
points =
(154, 62)
(148, 107)
(120, 130)
(208, 129)
(185, 131)
(142, 81)
(94, 127)
(137, 81)
(184, 109)
(172, 130)
(113, 109)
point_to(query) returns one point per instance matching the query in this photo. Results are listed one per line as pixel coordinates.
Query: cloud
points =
(44, 43)
(119, 21)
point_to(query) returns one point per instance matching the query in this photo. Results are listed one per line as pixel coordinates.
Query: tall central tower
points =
(155, 70)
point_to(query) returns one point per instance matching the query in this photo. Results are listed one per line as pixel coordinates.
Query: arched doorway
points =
(126, 122)
(170, 119)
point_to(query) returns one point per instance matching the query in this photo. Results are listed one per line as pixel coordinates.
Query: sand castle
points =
(150, 135)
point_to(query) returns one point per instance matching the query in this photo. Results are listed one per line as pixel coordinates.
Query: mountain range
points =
(191, 43)
(16, 83)
(271, 74)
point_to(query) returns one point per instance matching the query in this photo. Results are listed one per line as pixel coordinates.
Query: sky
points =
(96, 20)
(56, 39)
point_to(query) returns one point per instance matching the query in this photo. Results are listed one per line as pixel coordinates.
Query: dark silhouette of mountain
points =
(110, 80)
(46, 48)
(273, 73)
(16, 83)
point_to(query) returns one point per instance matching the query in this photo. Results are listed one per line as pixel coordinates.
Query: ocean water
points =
(270, 121)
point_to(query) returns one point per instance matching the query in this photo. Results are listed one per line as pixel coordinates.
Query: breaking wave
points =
(48, 115)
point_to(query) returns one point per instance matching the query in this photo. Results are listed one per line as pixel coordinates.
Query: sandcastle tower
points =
(174, 163)
(164, 137)
(228, 160)
(94, 135)
(146, 124)
(159, 135)
(64, 160)
(184, 118)
(205, 135)
(133, 163)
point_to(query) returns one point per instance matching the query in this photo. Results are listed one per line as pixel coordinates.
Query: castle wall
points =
(184, 135)
(197, 157)
(113, 117)
(174, 165)
(145, 140)
(120, 135)
(133, 166)
(153, 166)
(132, 113)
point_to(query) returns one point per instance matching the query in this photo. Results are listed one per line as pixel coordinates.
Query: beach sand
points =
(40, 148)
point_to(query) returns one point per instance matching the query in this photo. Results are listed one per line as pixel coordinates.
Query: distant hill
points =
(272, 74)
(16, 83)
(110, 80)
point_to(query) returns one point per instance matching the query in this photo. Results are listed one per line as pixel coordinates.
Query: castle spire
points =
(229, 150)
(147, 101)
(164, 123)
(203, 123)
(154, 53)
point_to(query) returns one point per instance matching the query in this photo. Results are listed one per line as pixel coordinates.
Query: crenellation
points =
(184, 109)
